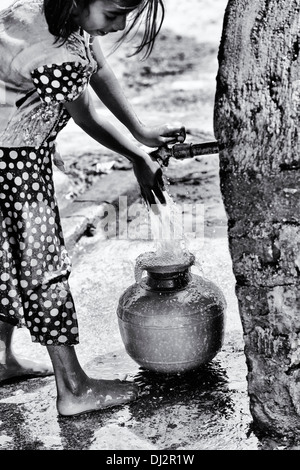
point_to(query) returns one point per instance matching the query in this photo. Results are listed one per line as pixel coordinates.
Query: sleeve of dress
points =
(60, 83)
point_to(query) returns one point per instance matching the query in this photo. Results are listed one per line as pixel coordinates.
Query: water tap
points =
(183, 151)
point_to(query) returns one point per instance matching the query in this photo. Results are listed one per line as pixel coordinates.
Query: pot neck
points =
(167, 281)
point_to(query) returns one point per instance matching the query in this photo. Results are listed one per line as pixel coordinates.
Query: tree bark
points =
(257, 112)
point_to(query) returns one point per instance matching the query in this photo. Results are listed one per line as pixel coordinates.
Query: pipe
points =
(182, 151)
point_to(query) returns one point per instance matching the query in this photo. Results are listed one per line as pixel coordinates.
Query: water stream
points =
(170, 244)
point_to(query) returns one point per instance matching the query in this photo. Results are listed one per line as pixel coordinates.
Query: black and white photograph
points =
(150, 228)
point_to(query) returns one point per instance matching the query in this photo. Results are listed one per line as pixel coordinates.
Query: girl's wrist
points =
(137, 155)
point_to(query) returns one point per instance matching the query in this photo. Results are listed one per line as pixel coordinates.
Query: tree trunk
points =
(257, 111)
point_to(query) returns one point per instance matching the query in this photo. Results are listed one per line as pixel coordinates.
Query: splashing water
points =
(171, 245)
(166, 228)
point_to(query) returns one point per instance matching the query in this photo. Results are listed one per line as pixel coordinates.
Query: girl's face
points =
(105, 16)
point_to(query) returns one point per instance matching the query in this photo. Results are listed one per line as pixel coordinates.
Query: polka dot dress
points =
(34, 263)
(60, 83)
(35, 267)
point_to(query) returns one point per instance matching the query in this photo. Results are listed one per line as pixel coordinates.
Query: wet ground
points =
(200, 411)
(204, 409)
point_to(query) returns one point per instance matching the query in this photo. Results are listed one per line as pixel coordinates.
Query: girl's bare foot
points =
(20, 368)
(15, 367)
(96, 395)
(78, 393)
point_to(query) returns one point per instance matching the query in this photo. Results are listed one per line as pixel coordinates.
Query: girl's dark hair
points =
(150, 13)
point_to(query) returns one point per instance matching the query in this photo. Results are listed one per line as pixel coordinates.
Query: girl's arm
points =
(108, 89)
(147, 172)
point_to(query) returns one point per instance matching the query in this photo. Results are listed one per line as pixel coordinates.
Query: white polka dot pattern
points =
(60, 83)
(34, 264)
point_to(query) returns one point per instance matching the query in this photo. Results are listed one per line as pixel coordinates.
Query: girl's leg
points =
(12, 366)
(77, 393)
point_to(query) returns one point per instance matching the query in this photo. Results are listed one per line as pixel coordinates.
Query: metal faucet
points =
(182, 151)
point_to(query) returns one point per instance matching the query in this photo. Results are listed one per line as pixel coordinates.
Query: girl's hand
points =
(161, 135)
(150, 178)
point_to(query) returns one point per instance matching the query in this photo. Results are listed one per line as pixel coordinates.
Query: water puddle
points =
(206, 409)
(199, 410)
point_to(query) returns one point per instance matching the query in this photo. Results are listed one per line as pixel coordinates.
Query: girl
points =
(48, 58)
